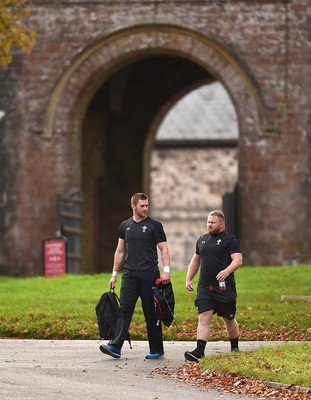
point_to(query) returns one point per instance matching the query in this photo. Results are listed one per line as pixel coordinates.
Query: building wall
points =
(267, 43)
(185, 186)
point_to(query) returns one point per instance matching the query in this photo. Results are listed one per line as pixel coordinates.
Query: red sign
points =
(54, 256)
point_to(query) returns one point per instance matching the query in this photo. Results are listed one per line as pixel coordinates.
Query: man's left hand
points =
(166, 277)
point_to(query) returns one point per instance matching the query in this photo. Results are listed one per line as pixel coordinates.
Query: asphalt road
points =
(77, 370)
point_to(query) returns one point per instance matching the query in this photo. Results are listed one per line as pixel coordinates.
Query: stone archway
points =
(111, 52)
(109, 56)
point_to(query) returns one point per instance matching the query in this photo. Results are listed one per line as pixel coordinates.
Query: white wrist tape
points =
(166, 269)
(114, 274)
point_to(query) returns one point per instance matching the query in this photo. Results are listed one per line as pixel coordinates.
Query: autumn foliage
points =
(14, 34)
(232, 383)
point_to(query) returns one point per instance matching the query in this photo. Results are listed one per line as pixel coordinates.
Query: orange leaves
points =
(13, 33)
(232, 383)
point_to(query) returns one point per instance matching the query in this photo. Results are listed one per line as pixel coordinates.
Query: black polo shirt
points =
(141, 239)
(215, 255)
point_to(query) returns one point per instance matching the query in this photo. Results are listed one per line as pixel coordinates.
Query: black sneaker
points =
(193, 356)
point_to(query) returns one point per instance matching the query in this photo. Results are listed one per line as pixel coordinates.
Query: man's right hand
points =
(189, 286)
(112, 282)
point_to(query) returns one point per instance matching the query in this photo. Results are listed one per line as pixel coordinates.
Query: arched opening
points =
(107, 107)
(114, 135)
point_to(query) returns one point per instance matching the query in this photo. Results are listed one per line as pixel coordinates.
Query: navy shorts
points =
(206, 301)
(226, 310)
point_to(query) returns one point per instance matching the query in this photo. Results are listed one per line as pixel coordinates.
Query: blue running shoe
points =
(111, 350)
(154, 356)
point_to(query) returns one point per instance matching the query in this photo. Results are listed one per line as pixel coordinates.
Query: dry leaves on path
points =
(232, 383)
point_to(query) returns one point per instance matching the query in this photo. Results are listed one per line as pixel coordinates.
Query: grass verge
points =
(288, 363)
(64, 308)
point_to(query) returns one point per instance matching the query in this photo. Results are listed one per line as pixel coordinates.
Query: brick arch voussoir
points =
(95, 64)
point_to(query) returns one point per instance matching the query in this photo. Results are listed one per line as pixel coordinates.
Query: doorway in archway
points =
(194, 167)
(118, 124)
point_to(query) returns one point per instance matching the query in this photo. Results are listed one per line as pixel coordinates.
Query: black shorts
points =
(226, 310)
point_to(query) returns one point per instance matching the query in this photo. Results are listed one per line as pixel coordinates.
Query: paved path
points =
(77, 370)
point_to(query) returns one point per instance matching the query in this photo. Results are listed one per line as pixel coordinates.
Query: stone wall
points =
(259, 50)
(185, 185)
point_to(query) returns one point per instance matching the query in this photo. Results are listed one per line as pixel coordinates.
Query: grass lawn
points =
(64, 308)
(288, 363)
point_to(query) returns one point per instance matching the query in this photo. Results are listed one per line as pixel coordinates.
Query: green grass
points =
(64, 308)
(260, 307)
(288, 363)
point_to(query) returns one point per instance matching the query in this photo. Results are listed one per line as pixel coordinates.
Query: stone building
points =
(81, 113)
(194, 166)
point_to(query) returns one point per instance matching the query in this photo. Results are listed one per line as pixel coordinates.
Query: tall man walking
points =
(218, 254)
(136, 254)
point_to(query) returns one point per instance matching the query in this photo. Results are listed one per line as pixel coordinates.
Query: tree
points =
(13, 33)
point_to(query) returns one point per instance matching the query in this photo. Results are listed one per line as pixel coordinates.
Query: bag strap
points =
(168, 306)
(128, 336)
